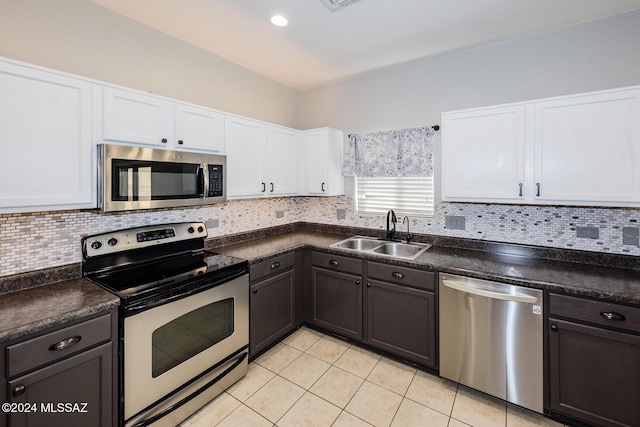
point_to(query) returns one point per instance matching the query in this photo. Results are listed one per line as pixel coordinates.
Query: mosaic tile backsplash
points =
(49, 239)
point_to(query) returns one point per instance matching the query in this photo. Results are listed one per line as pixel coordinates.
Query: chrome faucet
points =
(409, 237)
(390, 233)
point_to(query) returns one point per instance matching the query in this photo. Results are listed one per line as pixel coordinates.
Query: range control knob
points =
(96, 245)
(112, 241)
(200, 229)
(190, 230)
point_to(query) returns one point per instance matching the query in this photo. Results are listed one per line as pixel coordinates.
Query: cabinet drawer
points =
(599, 312)
(56, 345)
(336, 262)
(402, 275)
(271, 266)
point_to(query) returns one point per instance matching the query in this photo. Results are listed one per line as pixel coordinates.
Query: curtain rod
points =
(434, 127)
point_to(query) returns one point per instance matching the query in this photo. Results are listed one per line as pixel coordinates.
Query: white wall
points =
(591, 56)
(80, 37)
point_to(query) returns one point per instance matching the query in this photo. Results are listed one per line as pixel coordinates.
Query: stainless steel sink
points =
(382, 247)
(358, 244)
(401, 250)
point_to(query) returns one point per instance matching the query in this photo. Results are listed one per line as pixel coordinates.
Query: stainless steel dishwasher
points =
(491, 338)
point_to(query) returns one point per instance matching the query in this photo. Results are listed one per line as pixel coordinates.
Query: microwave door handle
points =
(201, 181)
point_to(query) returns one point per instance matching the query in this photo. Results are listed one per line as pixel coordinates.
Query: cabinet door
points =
(593, 374)
(199, 128)
(82, 379)
(337, 302)
(272, 306)
(281, 159)
(401, 320)
(245, 145)
(135, 117)
(47, 154)
(483, 155)
(323, 161)
(587, 148)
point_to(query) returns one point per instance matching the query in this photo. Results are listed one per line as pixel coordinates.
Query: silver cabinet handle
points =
(19, 390)
(459, 286)
(264, 187)
(65, 343)
(271, 187)
(275, 265)
(323, 186)
(520, 193)
(537, 189)
(334, 262)
(357, 282)
(612, 315)
(397, 275)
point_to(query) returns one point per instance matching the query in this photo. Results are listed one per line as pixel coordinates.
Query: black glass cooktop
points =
(166, 274)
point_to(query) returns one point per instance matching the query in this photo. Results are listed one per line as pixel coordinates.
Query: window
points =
(405, 195)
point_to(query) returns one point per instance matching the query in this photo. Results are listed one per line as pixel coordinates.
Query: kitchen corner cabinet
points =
(336, 294)
(594, 361)
(400, 312)
(139, 118)
(323, 153)
(46, 127)
(282, 146)
(581, 149)
(272, 302)
(260, 159)
(72, 365)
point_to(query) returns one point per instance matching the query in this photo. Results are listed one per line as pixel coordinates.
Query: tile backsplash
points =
(50, 239)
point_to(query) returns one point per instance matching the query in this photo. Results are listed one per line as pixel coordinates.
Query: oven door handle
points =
(194, 394)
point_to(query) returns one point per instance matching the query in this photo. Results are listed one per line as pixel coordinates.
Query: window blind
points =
(412, 196)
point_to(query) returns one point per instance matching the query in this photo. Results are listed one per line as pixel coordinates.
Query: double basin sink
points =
(382, 247)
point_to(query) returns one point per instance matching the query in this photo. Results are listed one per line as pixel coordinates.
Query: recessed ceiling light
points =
(279, 21)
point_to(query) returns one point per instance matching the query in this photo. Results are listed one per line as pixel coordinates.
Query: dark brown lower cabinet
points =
(272, 303)
(63, 376)
(594, 374)
(337, 302)
(401, 320)
(75, 392)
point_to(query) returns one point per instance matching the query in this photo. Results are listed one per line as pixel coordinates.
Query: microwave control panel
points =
(216, 181)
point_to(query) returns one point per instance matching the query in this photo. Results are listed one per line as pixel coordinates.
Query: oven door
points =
(180, 355)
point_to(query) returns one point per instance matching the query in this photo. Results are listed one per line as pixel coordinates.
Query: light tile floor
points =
(315, 380)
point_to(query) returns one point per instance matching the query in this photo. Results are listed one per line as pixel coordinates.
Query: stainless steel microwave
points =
(132, 178)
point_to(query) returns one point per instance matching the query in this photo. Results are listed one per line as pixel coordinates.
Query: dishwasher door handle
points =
(463, 287)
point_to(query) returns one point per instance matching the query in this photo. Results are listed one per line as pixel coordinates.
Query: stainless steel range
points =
(184, 318)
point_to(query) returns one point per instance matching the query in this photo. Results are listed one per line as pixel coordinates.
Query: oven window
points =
(141, 180)
(190, 334)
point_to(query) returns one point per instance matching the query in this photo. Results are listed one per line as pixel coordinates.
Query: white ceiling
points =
(320, 46)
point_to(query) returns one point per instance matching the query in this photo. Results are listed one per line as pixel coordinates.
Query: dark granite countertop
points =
(519, 268)
(33, 309)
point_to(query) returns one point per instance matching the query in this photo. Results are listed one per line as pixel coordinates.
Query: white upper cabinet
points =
(138, 118)
(199, 128)
(47, 159)
(246, 147)
(261, 159)
(581, 150)
(483, 154)
(322, 158)
(281, 161)
(587, 148)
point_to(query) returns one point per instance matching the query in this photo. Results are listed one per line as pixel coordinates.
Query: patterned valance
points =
(404, 152)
